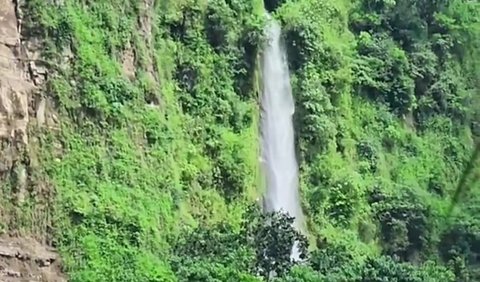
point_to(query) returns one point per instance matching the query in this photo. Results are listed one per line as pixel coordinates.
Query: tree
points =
(273, 236)
(262, 247)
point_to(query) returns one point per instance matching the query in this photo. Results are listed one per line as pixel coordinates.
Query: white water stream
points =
(278, 149)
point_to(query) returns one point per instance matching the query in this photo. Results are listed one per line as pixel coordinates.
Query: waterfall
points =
(278, 149)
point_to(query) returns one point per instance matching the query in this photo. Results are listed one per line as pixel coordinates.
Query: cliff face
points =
(129, 139)
(138, 126)
(22, 257)
(15, 86)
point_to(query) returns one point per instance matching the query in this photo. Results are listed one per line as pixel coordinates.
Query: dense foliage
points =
(156, 171)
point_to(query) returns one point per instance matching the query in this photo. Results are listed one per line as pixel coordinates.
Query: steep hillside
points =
(130, 138)
(387, 101)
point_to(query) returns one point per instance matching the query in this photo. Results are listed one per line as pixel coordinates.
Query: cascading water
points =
(278, 148)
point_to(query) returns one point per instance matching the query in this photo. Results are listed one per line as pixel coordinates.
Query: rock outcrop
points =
(15, 82)
(21, 76)
(24, 259)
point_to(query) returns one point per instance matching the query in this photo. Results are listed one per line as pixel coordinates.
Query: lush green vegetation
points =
(155, 174)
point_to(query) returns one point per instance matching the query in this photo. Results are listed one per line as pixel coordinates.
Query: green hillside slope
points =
(154, 163)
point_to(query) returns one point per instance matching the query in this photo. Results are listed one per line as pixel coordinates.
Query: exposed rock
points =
(145, 24)
(15, 88)
(27, 259)
(12, 273)
(8, 23)
(128, 63)
(145, 21)
(8, 251)
(21, 73)
(41, 112)
(37, 73)
(21, 182)
(14, 82)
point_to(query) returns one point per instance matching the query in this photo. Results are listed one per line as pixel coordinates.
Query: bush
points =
(405, 225)
(262, 245)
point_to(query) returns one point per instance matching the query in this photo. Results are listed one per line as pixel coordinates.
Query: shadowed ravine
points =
(278, 149)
